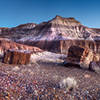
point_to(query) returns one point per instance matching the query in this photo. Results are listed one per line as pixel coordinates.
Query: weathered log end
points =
(17, 57)
(79, 55)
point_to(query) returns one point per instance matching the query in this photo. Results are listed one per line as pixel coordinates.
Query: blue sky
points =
(15, 12)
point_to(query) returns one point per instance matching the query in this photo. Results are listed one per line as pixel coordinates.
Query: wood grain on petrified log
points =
(17, 57)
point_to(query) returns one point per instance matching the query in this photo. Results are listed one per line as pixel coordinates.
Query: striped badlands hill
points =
(47, 35)
(60, 28)
(17, 32)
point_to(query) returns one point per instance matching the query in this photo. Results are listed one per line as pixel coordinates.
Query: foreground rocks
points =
(31, 82)
(95, 66)
(17, 57)
(80, 56)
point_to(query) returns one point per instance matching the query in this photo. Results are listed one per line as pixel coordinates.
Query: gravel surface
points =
(42, 82)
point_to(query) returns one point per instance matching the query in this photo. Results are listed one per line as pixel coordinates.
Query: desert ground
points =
(42, 80)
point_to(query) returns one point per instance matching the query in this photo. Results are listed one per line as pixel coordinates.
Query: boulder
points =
(17, 57)
(80, 56)
(95, 66)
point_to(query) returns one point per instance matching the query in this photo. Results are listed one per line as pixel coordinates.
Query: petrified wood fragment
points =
(17, 57)
(79, 55)
(95, 66)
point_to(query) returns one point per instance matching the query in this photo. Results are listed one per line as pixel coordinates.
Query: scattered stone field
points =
(41, 81)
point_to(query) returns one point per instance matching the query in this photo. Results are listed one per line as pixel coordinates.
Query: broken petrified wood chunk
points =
(95, 66)
(7, 57)
(75, 53)
(17, 57)
(80, 56)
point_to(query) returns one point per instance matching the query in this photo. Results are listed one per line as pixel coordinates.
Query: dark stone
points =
(95, 66)
(29, 89)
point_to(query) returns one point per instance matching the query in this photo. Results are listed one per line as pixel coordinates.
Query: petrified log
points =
(17, 57)
(96, 57)
(80, 56)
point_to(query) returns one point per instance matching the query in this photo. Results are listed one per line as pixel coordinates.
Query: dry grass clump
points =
(68, 83)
